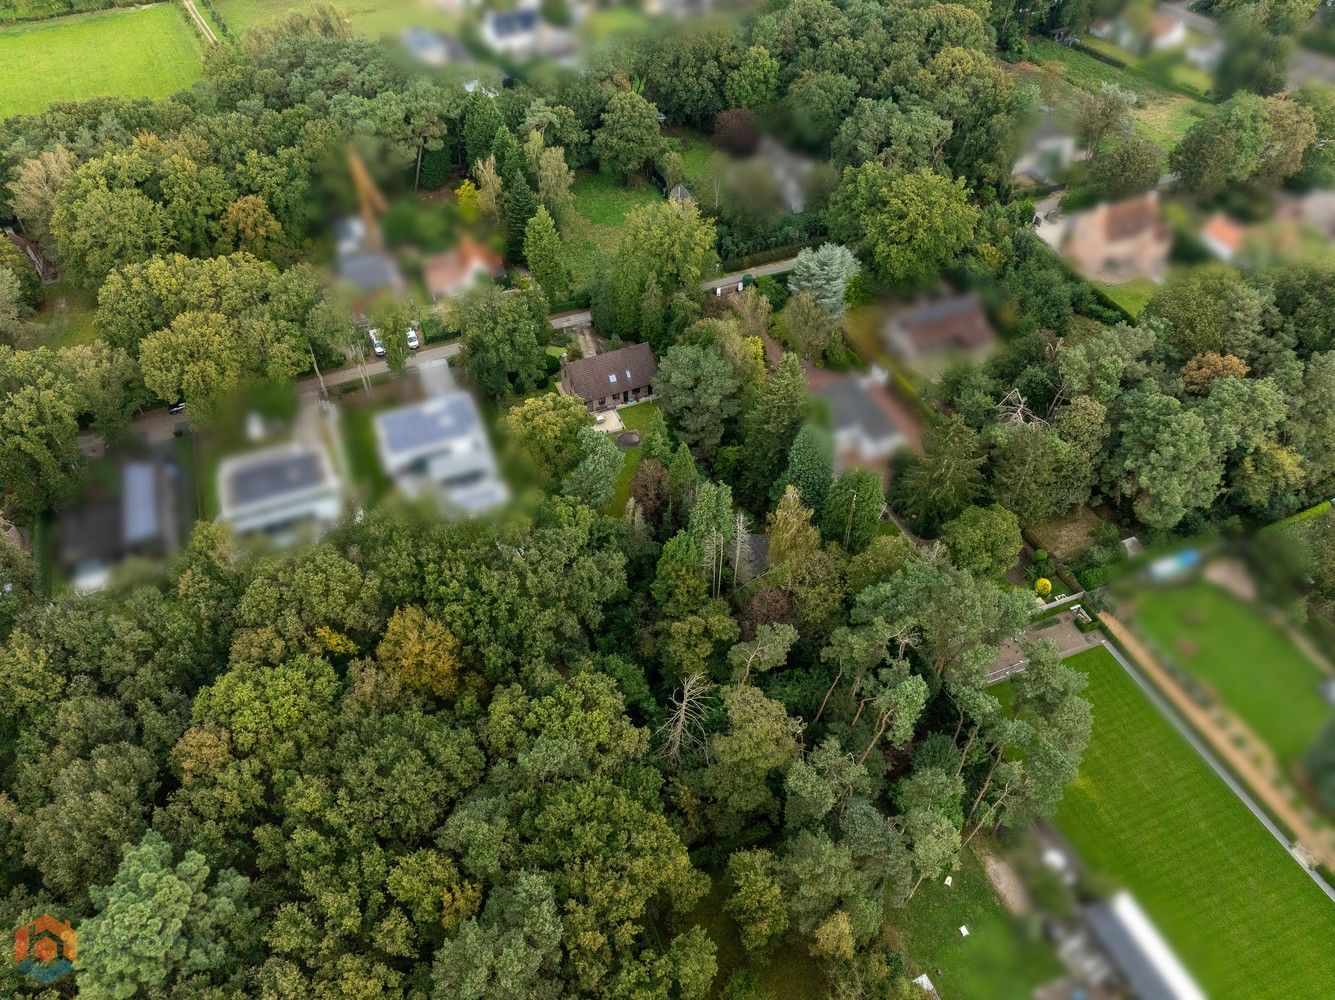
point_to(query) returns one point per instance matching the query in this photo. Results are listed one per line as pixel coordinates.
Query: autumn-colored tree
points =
(421, 652)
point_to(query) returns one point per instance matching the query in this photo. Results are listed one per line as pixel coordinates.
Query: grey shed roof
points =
(423, 426)
(272, 475)
(139, 502)
(852, 406)
(370, 271)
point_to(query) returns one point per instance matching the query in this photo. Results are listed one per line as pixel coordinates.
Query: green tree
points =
(392, 317)
(593, 480)
(810, 464)
(984, 540)
(754, 83)
(40, 461)
(629, 135)
(824, 274)
(518, 206)
(503, 337)
(110, 385)
(819, 101)
(911, 225)
(1128, 167)
(756, 900)
(481, 120)
(947, 478)
(1033, 472)
(769, 429)
(851, 514)
(805, 326)
(33, 191)
(17, 263)
(885, 133)
(697, 393)
(162, 929)
(545, 428)
(546, 255)
(108, 229)
(421, 652)
(1165, 462)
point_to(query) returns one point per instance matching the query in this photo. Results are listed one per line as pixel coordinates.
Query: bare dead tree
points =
(684, 729)
(741, 548)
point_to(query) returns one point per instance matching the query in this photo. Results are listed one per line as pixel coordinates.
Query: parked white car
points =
(377, 344)
(414, 341)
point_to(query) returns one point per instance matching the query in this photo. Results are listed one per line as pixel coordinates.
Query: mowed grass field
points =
(1147, 810)
(1256, 671)
(372, 18)
(146, 52)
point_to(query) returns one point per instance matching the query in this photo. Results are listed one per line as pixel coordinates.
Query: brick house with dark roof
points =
(1120, 241)
(607, 380)
(954, 324)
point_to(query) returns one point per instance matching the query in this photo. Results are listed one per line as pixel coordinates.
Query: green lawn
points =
(146, 52)
(373, 18)
(1133, 296)
(1254, 668)
(635, 418)
(602, 203)
(1001, 957)
(1148, 811)
(67, 315)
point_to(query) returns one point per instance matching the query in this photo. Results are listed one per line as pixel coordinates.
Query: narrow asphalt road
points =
(582, 317)
(159, 425)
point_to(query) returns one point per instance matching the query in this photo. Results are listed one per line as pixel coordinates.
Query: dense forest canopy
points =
(520, 757)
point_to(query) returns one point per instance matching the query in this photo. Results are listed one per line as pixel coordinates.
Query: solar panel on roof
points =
(274, 476)
(413, 428)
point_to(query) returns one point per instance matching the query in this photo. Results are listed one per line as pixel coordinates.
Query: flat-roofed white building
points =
(439, 447)
(287, 493)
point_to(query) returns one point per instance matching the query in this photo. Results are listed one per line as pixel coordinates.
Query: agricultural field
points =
(1163, 115)
(1149, 812)
(142, 52)
(1253, 668)
(372, 18)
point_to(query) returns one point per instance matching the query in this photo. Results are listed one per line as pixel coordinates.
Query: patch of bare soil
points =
(1006, 883)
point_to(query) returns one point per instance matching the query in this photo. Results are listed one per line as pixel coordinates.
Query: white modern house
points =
(439, 448)
(286, 494)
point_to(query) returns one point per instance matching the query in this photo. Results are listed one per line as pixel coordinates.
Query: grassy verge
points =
(145, 52)
(1256, 672)
(1147, 810)
(602, 203)
(1163, 115)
